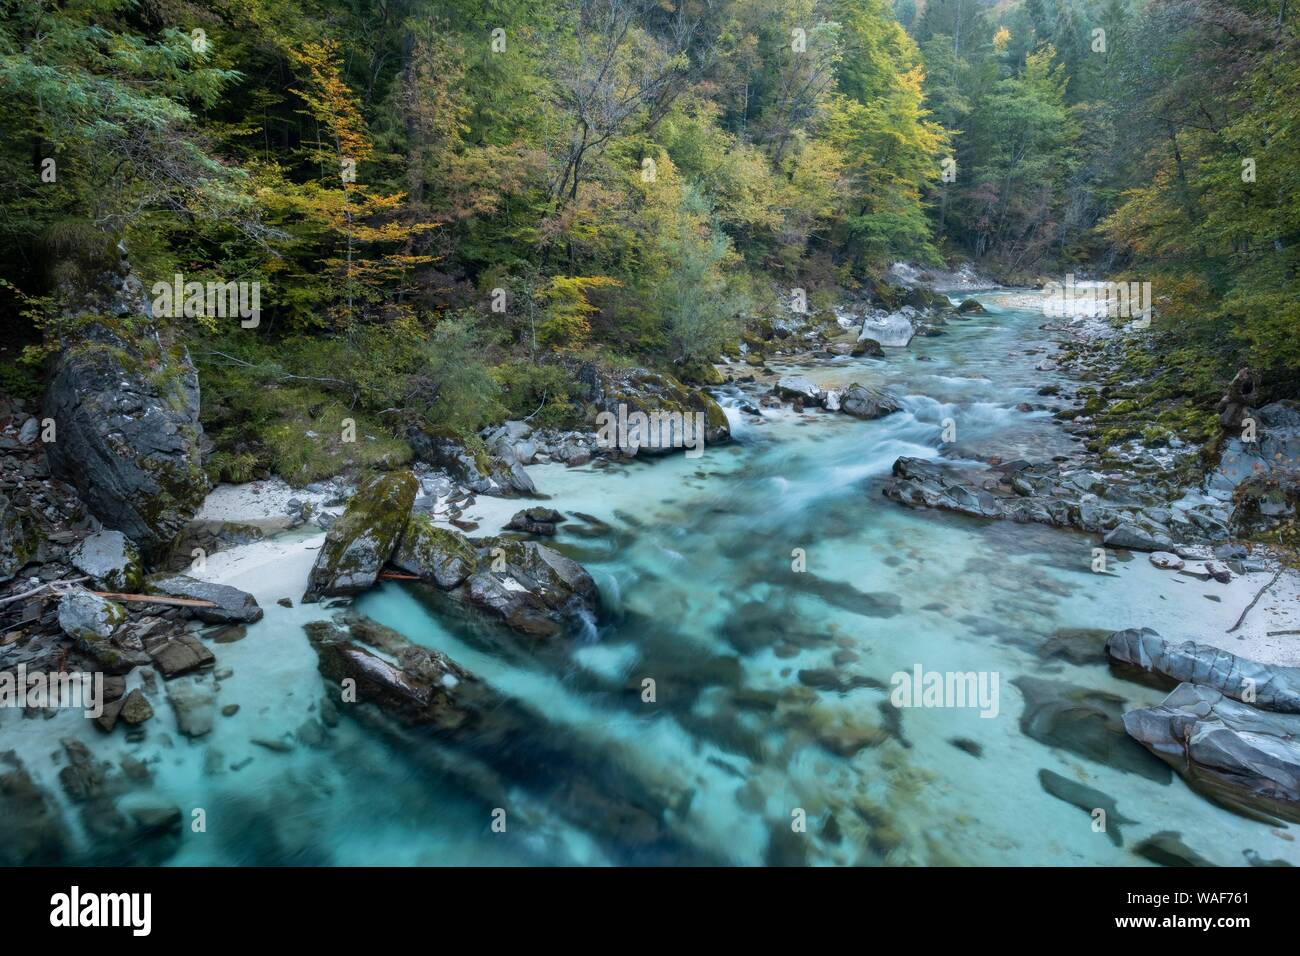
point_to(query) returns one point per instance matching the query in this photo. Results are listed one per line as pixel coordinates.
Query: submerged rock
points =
(359, 544)
(1272, 688)
(1236, 753)
(233, 605)
(126, 410)
(1086, 799)
(535, 521)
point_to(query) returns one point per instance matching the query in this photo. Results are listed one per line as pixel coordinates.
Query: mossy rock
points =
(360, 543)
(436, 554)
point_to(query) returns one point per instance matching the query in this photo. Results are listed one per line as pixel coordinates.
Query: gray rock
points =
(1236, 753)
(181, 655)
(233, 605)
(529, 587)
(1166, 561)
(791, 388)
(30, 430)
(484, 474)
(894, 330)
(111, 559)
(87, 617)
(127, 419)
(1130, 536)
(863, 401)
(1272, 688)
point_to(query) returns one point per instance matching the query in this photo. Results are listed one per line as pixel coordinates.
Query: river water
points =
(770, 737)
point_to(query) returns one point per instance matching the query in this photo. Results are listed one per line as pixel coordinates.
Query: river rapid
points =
(770, 593)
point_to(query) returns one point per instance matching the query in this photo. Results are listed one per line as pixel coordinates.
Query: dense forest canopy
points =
(443, 202)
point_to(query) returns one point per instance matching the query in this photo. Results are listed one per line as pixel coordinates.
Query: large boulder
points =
(623, 392)
(359, 544)
(85, 616)
(1236, 753)
(863, 401)
(233, 606)
(19, 539)
(435, 554)
(894, 330)
(110, 559)
(126, 412)
(482, 471)
(530, 587)
(1272, 688)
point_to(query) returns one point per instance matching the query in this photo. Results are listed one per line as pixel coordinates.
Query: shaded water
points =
(771, 686)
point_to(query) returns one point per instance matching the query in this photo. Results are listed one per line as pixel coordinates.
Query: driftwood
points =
(1258, 594)
(50, 586)
(155, 599)
(397, 576)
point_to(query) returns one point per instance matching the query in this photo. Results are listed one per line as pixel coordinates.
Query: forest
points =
(443, 206)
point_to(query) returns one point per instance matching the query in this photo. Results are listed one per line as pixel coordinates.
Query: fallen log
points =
(155, 599)
(397, 576)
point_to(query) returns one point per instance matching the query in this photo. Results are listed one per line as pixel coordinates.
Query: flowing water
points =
(771, 685)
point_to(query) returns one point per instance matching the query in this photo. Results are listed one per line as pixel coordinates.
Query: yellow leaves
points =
(1001, 39)
(568, 310)
(330, 100)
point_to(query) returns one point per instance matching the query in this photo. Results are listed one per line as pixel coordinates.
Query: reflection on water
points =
(770, 685)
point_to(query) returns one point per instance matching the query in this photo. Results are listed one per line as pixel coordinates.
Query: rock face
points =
(640, 390)
(19, 540)
(1236, 753)
(484, 472)
(233, 605)
(359, 544)
(1272, 688)
(892, 330)
(127, 433)
(863, 401)
(111, 559)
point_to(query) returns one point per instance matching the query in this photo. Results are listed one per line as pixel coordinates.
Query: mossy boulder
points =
(19, 539)
(360, 543)
(652, 393)
(125, 405)
(436, 554)
(971, 307)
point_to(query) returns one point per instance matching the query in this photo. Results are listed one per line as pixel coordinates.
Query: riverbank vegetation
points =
(443, 203)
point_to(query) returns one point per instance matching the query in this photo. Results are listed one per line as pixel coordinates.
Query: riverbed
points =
(758, 602)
